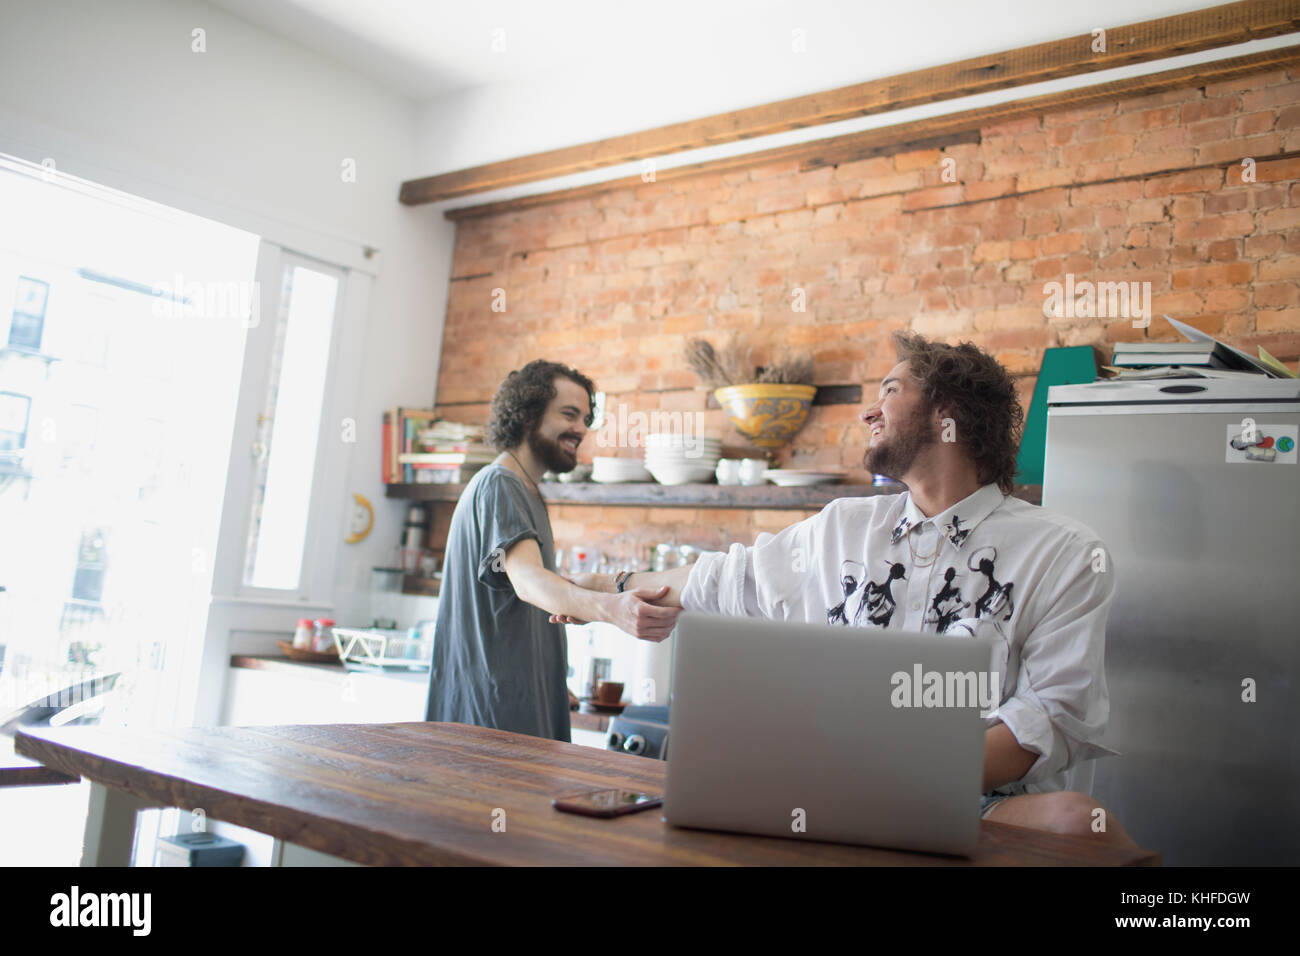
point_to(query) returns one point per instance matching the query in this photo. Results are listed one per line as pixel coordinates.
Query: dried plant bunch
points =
(789, 369)
(718, 368)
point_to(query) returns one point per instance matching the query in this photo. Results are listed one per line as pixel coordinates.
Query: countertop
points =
(336, 674)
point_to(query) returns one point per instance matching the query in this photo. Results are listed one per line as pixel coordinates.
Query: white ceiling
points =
(425, 49)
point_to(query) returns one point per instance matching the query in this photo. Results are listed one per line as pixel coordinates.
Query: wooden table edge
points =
(395, 850)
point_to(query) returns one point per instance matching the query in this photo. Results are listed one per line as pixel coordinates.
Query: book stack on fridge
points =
(420, 448)
(1181, 354)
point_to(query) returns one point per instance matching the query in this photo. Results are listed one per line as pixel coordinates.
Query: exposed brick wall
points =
(1145, 189)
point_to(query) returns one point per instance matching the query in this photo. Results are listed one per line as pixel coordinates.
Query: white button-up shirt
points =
(1036, 582)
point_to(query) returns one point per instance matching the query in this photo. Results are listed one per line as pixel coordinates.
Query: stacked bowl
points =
(611, 471)
(681, 459)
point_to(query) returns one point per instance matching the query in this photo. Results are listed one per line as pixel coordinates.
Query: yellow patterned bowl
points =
(768, 415)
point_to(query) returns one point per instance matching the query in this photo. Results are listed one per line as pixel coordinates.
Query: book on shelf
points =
(415, 440)
(444, 474)
(448, 458)
(386, 457)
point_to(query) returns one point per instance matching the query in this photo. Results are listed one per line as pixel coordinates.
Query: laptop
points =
(808, 731)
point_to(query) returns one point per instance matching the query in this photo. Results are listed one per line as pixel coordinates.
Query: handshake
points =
(647, 608)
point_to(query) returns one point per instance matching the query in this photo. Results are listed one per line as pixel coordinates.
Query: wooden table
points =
(435, 793)
(18, 771)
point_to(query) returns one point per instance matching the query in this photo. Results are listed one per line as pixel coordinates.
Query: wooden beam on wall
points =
(1133, 43)
(919, 134)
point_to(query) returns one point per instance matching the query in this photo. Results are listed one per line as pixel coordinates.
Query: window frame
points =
(327, 513)
(15, 313)
(27, 425)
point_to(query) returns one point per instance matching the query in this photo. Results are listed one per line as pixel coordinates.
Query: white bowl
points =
(634, 470)
(680, 445)
(688, 458)
(660, 437)
(681, 474)
(801, 478)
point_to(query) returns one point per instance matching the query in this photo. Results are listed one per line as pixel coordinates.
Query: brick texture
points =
(1194, 191)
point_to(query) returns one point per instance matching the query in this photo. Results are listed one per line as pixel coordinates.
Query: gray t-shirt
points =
(497, 661)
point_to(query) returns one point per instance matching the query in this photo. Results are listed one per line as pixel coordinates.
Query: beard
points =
(898, 453)
(552, 454)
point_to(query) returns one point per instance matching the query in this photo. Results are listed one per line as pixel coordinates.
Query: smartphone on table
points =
(607, 803)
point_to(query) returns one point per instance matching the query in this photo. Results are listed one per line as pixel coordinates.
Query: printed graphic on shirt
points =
(876, 604)
(900, 530)
(946, 605)
(878, 601)
(873, 602)
(852, 574)
(996, 596)
(956, 534)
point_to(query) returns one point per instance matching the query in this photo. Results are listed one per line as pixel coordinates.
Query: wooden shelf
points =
(424, 492)
(643, 495)
(421, 586)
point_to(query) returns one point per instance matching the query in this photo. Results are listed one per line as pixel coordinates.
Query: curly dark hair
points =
(522, 398)
(980, 397)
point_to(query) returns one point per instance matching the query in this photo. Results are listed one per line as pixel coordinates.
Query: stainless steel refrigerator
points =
(1194, 487)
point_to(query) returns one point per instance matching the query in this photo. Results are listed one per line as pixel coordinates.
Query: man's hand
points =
(568, 619)
(632, 612)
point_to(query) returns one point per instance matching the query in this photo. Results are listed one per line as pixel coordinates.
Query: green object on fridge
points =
(1076, 365)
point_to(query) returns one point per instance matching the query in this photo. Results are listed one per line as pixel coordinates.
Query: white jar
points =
(303, 634)
(323, 640)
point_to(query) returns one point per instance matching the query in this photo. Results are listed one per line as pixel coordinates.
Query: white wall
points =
(253, 133)
(668, 70)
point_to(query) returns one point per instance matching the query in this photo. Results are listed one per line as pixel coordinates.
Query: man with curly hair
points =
(955, 554)
(499, 660)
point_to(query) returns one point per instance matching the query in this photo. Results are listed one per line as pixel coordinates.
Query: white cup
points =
(751, 471)
(728, 471)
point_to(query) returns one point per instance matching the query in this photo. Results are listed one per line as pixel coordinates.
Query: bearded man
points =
(499, 660)
(955, 554)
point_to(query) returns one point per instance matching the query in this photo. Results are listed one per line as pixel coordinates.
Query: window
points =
(14, 411)
(289, 427)
(28, 324)
(92, 560)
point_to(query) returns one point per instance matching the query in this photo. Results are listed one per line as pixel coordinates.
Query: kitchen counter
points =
(336, 677)
(330, 673)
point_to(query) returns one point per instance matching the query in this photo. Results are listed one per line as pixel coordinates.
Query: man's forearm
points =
(631, 612)
(675, 580)
(1005, 761)
(550, 592)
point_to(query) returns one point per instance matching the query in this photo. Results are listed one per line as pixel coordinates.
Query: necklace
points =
(929, 562)
(929, 559)
(530, 480)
